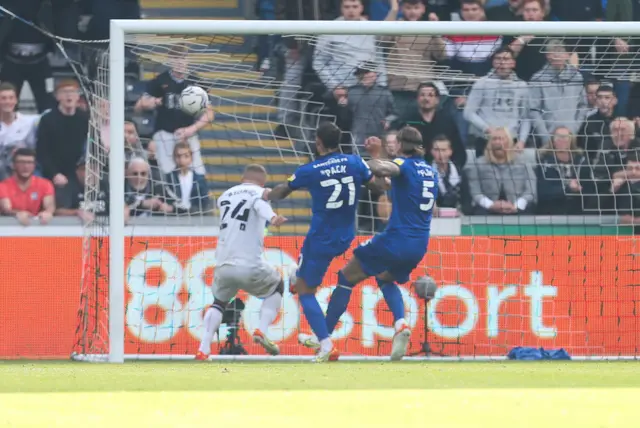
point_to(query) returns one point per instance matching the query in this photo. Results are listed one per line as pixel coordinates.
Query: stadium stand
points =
(248, 103)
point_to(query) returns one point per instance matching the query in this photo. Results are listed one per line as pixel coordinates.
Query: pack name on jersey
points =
(338, 169)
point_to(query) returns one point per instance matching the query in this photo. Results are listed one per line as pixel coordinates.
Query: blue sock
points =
(393, 297)
(315, 317)
(338, 302)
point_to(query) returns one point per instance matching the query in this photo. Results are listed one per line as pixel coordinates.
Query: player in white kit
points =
(239, 262)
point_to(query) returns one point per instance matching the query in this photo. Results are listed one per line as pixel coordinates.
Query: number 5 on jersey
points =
(426, 194)
(333, 202)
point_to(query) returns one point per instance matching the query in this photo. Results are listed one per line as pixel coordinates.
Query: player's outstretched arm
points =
(277, 220)
(265, 211)
(384, 168)
(278, 193)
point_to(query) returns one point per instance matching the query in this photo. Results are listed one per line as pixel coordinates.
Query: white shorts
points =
(260, 281)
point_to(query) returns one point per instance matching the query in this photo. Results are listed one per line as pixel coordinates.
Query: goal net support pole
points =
(120, 29)
(117, 186)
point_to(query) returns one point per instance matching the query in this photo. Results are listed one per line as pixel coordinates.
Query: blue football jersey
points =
(413, 196)
(334, 182)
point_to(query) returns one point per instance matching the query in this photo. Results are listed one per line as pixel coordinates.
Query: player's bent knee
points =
(303, 288)
(384, 278)
(280, 287)
(219, 305)
(353, 271)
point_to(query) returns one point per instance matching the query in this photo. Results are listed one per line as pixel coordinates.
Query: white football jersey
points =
(243, 217)
(21, 132)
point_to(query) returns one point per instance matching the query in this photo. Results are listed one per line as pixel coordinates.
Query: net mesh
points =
(565, 280)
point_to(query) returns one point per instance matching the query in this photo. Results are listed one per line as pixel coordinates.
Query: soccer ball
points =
(194, 100)
(425, 287)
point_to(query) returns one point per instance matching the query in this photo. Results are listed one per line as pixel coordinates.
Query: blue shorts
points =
(314, 263)
(394, 254)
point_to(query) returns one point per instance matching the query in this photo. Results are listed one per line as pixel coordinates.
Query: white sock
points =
(269, 311)
(326, 344)
(212, 321)
(399, 323)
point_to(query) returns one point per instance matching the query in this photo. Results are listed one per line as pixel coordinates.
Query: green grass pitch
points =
(432, 394)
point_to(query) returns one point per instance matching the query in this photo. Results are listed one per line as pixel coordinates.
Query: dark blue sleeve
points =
(365, 172)
(402, 164)
(300, 179)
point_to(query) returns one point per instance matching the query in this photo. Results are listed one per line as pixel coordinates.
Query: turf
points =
(496, 394)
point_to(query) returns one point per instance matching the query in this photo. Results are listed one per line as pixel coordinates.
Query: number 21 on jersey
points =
(333, 202)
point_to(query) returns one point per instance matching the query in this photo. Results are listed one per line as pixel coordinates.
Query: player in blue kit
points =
(334, 181)
(393, 254)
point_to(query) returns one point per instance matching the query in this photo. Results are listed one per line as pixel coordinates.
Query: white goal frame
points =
(121, 28)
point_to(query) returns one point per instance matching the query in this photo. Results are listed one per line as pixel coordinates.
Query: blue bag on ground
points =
(532, 354)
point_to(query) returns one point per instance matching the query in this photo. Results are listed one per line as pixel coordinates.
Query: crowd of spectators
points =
(482, 104)
(46, 169)
(515, 125)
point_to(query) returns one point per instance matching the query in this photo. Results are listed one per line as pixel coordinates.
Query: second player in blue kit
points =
(403, 244)
(334, 181)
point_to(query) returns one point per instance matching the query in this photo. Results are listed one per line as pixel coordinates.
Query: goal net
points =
(527, 248)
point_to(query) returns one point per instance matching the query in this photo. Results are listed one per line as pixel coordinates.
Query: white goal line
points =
(308, 358)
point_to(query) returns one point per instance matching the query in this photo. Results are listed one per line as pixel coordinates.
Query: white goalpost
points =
(494, 294)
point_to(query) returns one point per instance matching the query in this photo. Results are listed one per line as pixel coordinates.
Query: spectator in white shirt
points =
(17, 130)
(187, 188)
(336, 56)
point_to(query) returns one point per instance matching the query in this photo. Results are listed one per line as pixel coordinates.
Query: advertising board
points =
(580, 293)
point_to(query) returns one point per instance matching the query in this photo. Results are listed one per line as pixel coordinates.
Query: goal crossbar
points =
(460, 28)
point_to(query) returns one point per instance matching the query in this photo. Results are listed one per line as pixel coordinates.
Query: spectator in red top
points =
(25, 195)
(471, 54)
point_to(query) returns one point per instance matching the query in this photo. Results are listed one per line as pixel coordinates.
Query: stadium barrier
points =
(577, 292)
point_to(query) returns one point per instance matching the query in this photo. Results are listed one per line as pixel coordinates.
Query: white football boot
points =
(400, 341)
(309, 341)
(330, 355)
